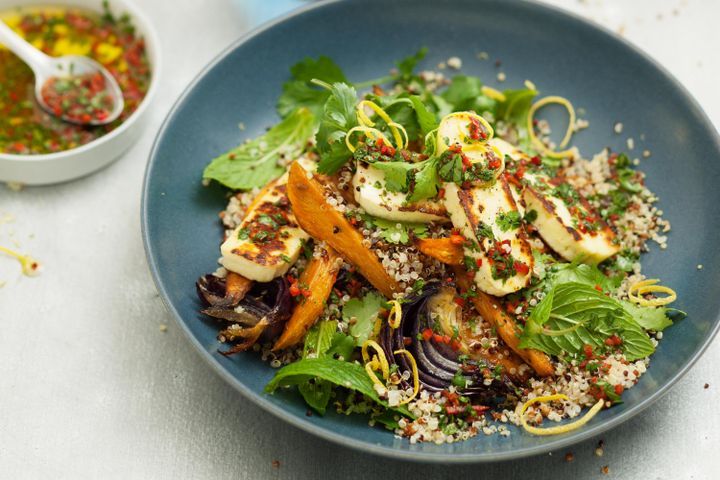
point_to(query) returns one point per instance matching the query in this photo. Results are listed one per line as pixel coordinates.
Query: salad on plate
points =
(416, 248)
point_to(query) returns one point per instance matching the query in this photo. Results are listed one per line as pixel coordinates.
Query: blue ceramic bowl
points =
(561, 53)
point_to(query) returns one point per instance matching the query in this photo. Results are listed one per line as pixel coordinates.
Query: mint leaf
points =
(318, 341)
(255, 163)
(586, 317)
(343, 374)
(361, 315)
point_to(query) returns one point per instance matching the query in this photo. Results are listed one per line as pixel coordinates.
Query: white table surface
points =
(90, 386)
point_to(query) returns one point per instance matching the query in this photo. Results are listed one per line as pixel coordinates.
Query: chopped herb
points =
(508, 220)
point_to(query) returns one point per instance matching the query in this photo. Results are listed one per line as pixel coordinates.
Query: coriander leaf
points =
(407, 110)
(462, 92)
(508, 220)
(407, 65)
(425, 181)
(582, 273)
(425, 118)
(298, 92)
(396, 175)
(338, 117)
(255, 163)
(324, 68)
(650, 318)
(343, 374)
(361, 315)
(419, 180)
(574, 314)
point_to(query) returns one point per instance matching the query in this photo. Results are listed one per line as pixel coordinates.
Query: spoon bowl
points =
(47, 68)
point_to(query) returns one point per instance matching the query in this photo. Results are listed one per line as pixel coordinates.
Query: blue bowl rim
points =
(390, 452)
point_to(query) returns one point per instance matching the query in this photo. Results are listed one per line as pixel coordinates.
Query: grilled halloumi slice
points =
(464, 128)
(496, 242)
(373, 197)
(269, 240)
(563, 217)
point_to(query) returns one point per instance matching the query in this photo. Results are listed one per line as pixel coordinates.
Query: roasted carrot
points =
(442, 249)
(324, 223)
(318, 279)
(507, 329)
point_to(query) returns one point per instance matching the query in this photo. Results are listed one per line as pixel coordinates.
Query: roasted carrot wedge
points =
(324, 223)
(507, 329)
(441, 249)
(319, 277)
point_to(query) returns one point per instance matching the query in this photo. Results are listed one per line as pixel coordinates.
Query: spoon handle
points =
(35, 59)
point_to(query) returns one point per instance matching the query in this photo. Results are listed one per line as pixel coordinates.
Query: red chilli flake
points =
(427, 334)
(521, 268)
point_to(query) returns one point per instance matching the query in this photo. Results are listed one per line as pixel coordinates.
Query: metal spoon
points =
(45, 67)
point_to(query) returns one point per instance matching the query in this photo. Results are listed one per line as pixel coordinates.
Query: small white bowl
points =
(70, 164)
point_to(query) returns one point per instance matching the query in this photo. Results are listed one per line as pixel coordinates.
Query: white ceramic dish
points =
(70, 164)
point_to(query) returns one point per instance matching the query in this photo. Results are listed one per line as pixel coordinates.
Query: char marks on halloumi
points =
(496, 243)
(563, 217)
(269, 240)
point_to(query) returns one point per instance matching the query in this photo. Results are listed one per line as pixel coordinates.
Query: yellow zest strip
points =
(568, 427)
(377, 326)
(415, 374)
(365, 120)
(378, 361)
(402, 130)
(568, 133)
(28, 264)
(636, 290)
(395, 314)
(492, 93)
(373, 133)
